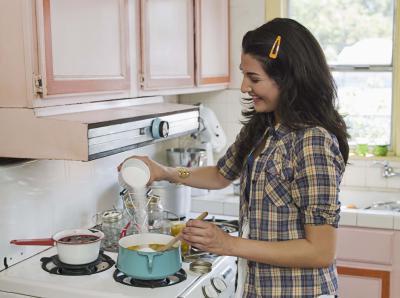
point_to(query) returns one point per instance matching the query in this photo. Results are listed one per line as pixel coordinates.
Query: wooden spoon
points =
(178, 237)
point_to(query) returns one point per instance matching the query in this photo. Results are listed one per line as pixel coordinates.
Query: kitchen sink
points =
(389, 206)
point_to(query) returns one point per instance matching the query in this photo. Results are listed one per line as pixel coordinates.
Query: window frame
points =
(279, 8)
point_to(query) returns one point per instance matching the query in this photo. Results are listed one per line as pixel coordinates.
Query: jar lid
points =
(111, 216)
(201, 267)
(154, 199)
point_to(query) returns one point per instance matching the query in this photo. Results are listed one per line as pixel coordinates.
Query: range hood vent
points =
(116, 136)
(92, 134)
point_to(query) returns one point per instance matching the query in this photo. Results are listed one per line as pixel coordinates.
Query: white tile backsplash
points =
(231, 208)
(212, 207)
(368, 174)
(41, 197)
(354, 175)
(393, 182)
(373, 176)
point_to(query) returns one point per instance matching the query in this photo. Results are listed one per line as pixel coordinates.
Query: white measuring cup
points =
(134, 174)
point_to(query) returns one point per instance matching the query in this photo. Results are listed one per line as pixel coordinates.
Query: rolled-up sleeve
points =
(318, 170)
(229, 165)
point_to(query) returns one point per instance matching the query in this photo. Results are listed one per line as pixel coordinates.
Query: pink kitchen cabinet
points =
(212, 41)
(368, 263)
(83, 46)
(65, 52)
(167, 45)
(177, 55)
(363, 283)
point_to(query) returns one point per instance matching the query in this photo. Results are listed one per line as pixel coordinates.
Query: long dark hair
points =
(307, 89)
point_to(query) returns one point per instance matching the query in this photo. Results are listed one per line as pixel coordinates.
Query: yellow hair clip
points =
(273, 54)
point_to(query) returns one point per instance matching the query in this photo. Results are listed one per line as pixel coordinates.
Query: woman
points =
(290, 156)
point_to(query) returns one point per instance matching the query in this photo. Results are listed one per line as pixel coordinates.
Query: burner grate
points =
(53, 265)
(122, 278)
(229, 226)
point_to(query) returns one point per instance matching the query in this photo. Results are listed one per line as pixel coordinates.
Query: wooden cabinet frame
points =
(55, 86)
(204, 80)
(384, 276)
(148, 80)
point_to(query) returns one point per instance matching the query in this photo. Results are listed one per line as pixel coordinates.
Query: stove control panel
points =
(216, 287)
(209, 292)
(219, 283)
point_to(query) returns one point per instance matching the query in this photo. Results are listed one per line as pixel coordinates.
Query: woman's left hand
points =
(207, 237)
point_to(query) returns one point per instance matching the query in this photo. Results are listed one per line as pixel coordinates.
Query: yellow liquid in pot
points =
(153, 246)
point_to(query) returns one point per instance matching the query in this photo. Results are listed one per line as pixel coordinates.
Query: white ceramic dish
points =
(134, 174)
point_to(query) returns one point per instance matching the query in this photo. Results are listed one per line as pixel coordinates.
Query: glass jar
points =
(176, 228)
(155, 213)
(112, 224)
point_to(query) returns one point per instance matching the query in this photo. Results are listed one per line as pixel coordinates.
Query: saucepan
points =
(74, 247)
(151, 256)
(148, 264)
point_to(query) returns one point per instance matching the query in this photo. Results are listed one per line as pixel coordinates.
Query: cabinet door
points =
(212, 41)
(363, 283)
(167, 44)
(85, 46)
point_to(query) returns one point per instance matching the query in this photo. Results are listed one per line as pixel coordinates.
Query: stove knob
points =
(159, 128)
(209, 291)
(219, 284)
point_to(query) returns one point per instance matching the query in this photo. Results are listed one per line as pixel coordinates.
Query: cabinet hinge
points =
(38, 84)
(141, 80)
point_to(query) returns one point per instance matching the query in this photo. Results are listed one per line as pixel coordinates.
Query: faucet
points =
(388, 171)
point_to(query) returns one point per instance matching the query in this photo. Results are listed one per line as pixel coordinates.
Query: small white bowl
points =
(134, 174)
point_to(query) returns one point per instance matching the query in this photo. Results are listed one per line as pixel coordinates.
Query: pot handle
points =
(150, 258)
(39, 241)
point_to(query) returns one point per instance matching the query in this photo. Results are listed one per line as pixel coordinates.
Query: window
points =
(357, 39)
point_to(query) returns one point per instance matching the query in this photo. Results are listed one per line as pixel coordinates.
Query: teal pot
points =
(148, 265)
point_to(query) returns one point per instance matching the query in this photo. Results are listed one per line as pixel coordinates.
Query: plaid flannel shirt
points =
(294, 181)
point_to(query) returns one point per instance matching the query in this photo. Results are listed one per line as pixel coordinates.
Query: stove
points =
(122, 278)
(43, 276)
(54, 266)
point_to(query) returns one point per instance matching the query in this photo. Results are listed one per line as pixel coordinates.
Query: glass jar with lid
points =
(155, 213)
(112, 224)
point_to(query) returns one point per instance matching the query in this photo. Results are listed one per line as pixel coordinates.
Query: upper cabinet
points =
(84, 46)
(167, 45)
(176, 54)
(212, 41)
(63, 52)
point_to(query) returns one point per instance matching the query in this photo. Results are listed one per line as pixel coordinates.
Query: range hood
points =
(92, 133)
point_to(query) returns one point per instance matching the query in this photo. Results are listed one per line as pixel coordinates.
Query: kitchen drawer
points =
(365, 245)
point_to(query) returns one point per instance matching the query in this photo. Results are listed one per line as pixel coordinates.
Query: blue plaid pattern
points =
(294, 181)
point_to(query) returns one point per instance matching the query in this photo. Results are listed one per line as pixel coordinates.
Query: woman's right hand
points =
(157, 170)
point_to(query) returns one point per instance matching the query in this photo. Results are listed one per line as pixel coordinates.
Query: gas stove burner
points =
(53, 265)
(134, 282)
(229, 226)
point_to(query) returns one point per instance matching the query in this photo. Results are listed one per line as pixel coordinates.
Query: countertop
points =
(224, 202)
